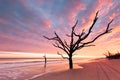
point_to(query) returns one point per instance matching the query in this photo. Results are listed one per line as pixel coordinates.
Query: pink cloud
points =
(74, 10)
(26, 33)
(77, 6)
(109, 38)
(70, 12)
(47, 23)
(105, 1)
(104, 7)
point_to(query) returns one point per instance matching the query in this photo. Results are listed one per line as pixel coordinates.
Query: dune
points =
(97, 69)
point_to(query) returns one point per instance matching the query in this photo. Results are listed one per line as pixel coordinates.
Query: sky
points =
(24, 22)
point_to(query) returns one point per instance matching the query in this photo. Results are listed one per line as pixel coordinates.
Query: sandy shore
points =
(99, 69)
(28, 70)
(86, 69)
(20, 72)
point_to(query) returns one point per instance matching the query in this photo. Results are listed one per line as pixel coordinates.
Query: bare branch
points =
(58, 46)
(74, 25)
(72, 35)
(58, 39)
(82, 33)
(61, 42)
(66, 44)
(89, 45)
(76, 45)
(68, 35)
(79, 35)
(54, 38)
(83, 45)
(105, 32)
(62, 56)
(107, 29)
(76, 34)
(94, 21)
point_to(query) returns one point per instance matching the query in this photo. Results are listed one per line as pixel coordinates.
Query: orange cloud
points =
(110, 37)
(116, 29)
(105, 1)
(112, 16)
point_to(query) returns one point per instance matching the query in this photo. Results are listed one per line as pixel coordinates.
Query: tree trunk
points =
(70, 63)
(45, 61)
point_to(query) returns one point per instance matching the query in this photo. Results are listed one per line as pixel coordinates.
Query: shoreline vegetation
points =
(110, 55)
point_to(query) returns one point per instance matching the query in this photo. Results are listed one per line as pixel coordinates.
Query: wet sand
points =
(98, 69)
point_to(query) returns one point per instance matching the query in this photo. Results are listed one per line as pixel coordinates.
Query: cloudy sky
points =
(24, 22)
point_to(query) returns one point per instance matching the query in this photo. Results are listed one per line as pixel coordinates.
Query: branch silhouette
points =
(62, 56)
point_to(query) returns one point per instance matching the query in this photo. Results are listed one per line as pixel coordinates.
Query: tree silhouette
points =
(110, 55)
(77, 41)
(45, 60)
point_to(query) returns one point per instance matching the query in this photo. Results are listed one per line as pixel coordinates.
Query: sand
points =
(99, 69)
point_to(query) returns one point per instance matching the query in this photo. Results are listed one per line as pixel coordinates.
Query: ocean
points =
(26, 60)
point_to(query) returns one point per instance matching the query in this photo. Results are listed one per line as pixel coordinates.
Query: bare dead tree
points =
(45, 60)
(79, 43)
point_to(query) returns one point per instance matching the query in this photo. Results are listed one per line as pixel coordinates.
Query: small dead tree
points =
(79, 43)
(45, 60)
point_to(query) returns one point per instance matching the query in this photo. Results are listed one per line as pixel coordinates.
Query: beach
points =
(26, 69)
(19, 71)
(97, 69)
(86, 69)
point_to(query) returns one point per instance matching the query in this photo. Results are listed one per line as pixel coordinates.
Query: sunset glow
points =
(24, 22)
